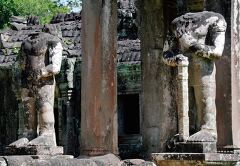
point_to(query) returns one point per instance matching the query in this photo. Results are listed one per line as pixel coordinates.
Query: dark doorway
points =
(130, 139)
(128, 114)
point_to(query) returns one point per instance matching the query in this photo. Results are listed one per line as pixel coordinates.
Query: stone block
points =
(47, 157)
(136, 162)
(193, 159)
(35, 150)
(109, 159)
(65, 162)
(17, 160)
(74, 53)
(11, 45)
(3, 162)
(18, 19)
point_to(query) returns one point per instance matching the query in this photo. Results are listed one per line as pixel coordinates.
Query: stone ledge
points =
(197, 147)
(189, 159)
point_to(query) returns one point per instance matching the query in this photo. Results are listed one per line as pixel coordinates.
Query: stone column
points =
(158, 106)
(183, 104)
(99, 91)
(235, 57)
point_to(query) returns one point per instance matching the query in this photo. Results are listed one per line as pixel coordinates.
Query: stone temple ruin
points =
(176, 104)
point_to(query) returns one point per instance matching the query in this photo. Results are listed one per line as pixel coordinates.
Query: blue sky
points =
(74, 9)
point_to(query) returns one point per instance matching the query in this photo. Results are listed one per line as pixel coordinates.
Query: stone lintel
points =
(197, 147)
(169, 159)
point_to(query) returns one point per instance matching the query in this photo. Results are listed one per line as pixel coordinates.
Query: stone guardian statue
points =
(40, 61)
(200, 38)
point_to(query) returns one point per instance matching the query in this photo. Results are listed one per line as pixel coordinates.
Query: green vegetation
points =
(44, 9)
(16, 50)
(129, 76)
(128, 69)
(68, 41)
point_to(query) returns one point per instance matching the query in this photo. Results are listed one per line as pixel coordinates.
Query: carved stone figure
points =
(40, 61)
(200, 37)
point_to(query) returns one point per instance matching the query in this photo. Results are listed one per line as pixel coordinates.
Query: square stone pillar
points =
(99, 90)
(158, 106)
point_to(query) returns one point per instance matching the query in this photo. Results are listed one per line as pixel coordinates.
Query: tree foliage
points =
(44, 9)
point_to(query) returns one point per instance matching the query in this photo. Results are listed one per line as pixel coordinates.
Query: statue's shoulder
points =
(204, 17)
(211, 14)
(217, 21)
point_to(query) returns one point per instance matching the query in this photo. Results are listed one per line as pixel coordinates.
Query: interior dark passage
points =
(128, 113)
(130, 140)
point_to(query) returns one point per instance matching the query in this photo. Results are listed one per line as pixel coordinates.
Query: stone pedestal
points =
(34, 150)
(193, 159)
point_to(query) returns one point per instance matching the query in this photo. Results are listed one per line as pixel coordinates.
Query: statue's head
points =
(53, 29)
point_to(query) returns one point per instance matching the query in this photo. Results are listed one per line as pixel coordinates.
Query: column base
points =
(96, 152)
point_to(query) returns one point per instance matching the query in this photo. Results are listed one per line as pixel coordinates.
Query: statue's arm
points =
(213, 51)
(217, 40)
(55, 54)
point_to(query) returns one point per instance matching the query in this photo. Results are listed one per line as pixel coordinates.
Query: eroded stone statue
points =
(200, 37)
(40, 61)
